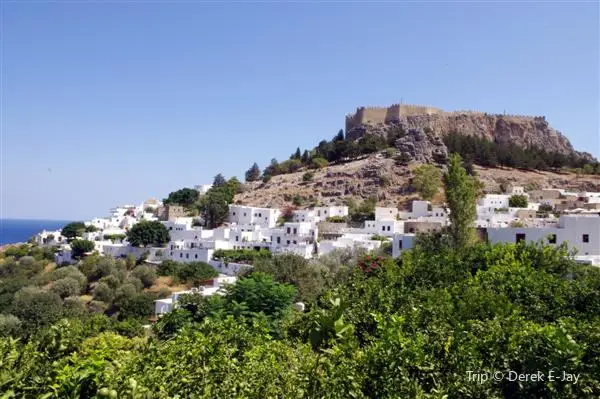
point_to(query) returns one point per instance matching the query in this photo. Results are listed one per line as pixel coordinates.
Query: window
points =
(180, 255)
(288, 242)
(233, 213)
(388, 228)
(295, 242)
(552, 239)
(260, 215)
(237, 238)
(289, 230)
(295, 230)
(411, 230)
(519, 237)
(244, 213)
(187, 256)
(278, 240)
(382, 228)
(399, 244)
(196, 256)
(586, 238)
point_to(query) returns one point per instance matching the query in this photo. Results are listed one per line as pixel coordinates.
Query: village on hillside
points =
(552, 216)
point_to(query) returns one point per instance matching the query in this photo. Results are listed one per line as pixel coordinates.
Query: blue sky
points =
(127, 101)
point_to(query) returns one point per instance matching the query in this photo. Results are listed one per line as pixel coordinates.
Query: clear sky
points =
(108, 103)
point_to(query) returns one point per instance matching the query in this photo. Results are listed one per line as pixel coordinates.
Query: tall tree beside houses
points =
(461, 194)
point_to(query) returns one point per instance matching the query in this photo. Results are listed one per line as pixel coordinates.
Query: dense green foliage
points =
(517, 201)
(461, 195)
(146, 233)
(427, 180)
(192, 273)
(484, 152)
(375, 327)
(184, 197)
(413, 327)
(80, 247)
(73, 229)
(34, 294)
(358, 213)
(253, 173)
(241, 255)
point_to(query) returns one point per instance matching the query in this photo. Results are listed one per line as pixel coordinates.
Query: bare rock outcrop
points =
(422, 147)
(521, 130)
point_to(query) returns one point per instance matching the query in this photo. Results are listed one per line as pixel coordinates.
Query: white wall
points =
(402, 242)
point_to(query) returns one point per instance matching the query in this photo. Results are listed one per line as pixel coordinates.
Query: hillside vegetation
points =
(375, 327)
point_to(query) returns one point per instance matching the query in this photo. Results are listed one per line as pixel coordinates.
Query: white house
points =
(401, 242)
(323, 212)
(49, 238)
(581, 232)
(166, 305)
(305, 215)
(384, 227)
(265, 217)
(382, 213)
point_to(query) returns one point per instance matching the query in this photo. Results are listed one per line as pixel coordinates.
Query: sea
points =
(20, 230)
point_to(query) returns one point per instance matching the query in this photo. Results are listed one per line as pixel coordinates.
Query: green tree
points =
(219, 180)
(10, 326)
(260, 293)
(305, 157)
(461, 194)
(146, 274)
(297, 154)
(427, 180)
(36, 308)
(214, 207)
(80, 247)
(307, 277)
(319, 163)
(308, 176)
(65, 287)
(517, 201)
(73, 229)
(184, 197)
(253, 174)
(146, 233)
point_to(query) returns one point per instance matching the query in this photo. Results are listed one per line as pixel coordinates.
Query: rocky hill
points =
(524, 131)
(381, 177)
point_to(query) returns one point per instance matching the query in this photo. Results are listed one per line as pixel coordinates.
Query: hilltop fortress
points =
(522, 130)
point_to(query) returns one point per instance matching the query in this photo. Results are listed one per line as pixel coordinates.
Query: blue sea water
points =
(21, 230)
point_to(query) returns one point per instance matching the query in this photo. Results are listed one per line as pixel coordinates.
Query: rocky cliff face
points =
(521, 130)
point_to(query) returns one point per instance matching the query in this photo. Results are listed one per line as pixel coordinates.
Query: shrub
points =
(70, 272)
(389, 152)
(517, 201)
(10, 326)
(140, 305)
(80, 247)
(103, 293)
(65, 287)
(241, 255)
(308, 176)
(319, 163)
(146, 274)
(545, 208)
(37, 308)
(336, 219)
(266, 178)
(427, 180)
(297, 200)
(196, 272)
(111, 280)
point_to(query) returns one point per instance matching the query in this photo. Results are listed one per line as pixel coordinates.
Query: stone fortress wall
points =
(396, 112)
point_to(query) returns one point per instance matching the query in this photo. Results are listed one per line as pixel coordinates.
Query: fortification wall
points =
(396, 112)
